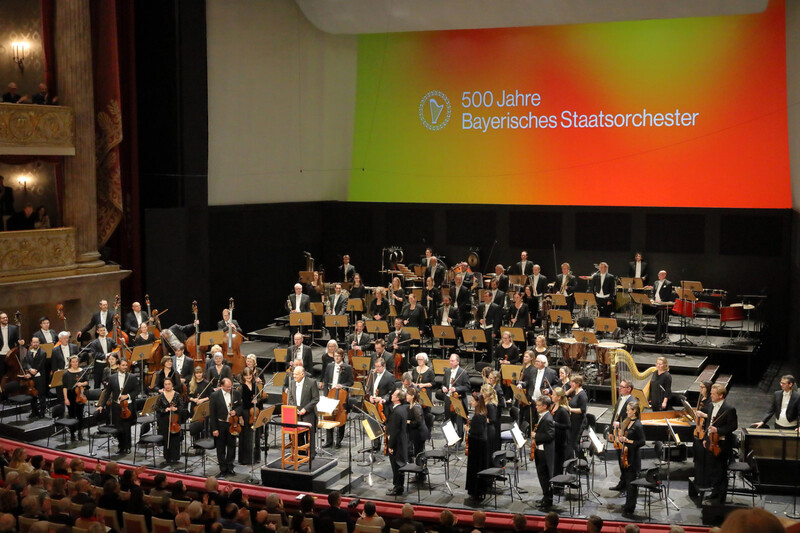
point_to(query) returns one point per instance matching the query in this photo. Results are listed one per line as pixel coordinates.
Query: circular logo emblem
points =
(435, 110)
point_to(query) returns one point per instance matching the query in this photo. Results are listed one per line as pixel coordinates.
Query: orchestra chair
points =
(747, 471)
(367, 529)
(134, 523)
(497, 472)
(289, 416)
(651, 483)
(108, 517)
(149, 442)
(75, 509)
(570, 481)
(419, 466)
(19, 400)
(307, 523)
(161, 525)
(63, 425)
(103, 432)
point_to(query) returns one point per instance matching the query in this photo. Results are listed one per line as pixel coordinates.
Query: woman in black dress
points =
(248, 454)
(561, 422)
(478, 458)
(167, 372)
(170, 408)
(423, 377)
(357, 292)
(519, 313)
(75, 409)
(217, 371)
(413, 314)
(143, 336)
(700, 476)
(431, 299)
(199, 392)
(379, 307)
(577, 409)
(418, 430)
(506, 352)
(327, 357)
(633, 439)
(660, 385)
(492, 418)
(112, 365)
(397, 296)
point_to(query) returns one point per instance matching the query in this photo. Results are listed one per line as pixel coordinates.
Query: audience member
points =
(594, 524)
(12, 96)
(83, 492)
(519, 521)
(182, 523)
(407, 518)
(674, 528)
(369, 517)
(631, 528)
(447, 522)
(749, 520)
(6, 210)
(8, 523)
(42, 219)
(78, 469)
(87, 516)
(32, 509)
(159, 489)
(335, 511)
(479, 521)
(19, 461)
(178, 491)
(551, 522)
(23, 220)
(274, 505)
(43, 97)
(110, 499)
(136, 505)
(306, 511)
(61, 512)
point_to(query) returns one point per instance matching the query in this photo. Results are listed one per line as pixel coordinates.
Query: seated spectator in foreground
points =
(182, 523)
(42, 219)
(551, 522)
(43, 97)
(748, 520)
(19, 461)
(12, 96)
(447, 522)
(8, 523)
(83, 492)
(594, 524)
(32, 509)
(87, 516)
(159, 489)
(23, 220)
(178, 490)
(478, 521)
(407, 518)
(60, 514)
(306, 511)
(274, 505)
(78, 469)
(369, 517)
(335, 513)
(519, 521)
(136, 505)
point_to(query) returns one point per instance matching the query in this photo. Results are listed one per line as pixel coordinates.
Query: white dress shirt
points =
(48, 338)
(4, 349)
(600, 293)
(336, 370)
(782, 420)
(298, 391)
(622, 400)
(537, 387)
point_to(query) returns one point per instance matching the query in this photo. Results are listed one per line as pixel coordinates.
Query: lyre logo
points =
(435, 110)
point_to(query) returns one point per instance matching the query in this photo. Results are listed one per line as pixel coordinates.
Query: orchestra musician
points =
(501, 277)
(143, 336)
(489, 317)
(381, 353)
(337, 305)
(359, 340)
(428, 254)
(560, 412)
(301, 351)
(418, 430)
(327, 357)
(478, 459)
(33, 367)
(397, 436)
(544, 435)
(632, 437)
(620, 413)
(380, 385)
(447, 315)
(227, 322)
(315, 289)
(785, 406)
(604, 286)
(347, 271)
(506, 352)
(638, 267)
(532, 302)
(492, 418)
(135, 318)
(44, 333)
(176, 335)
(225, 403)
(337, 376)
(169, 405)
(431, 299)
(218, 372)
(461, 296)
(720, 419)
(199, 393)
(297, 302)
(249, 448)
(540, 345)
(167, 372)
(565, 284)
(357, 290)
(61, 352)
(538, 380)
(523, 267)
(518, 313)
(100, 348)
(397, 295)
(304, 394)
(379, 306)
(538, 282)
(75, 409)
(698, 439)
(662, 292)
(122, 386)
(183, 367)
(455, 381)
(435, 271)
(498, 296)
(413, 314)
(100, 317)
(397, 343)
(577, 408)
(660, 385)
(422, 375)
(112, 367)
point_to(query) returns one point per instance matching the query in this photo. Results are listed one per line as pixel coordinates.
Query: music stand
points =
(140, 353)
(210, 338)
(361, 363)
(305, 276)
(517, 334)
(585, 337)
(336, 322)
(519, 394)
(278, 379)
(439, 366)
(354, 305)
(673, 437)
(639, 299)
(57, 379)
(414, 332)
(560, 317)
(280, 354)
(458, 407)
(377, 327)
(374, 430)
(47, 348)
(264, 416)
(606, 325)
(517, 279)
(443, 333)
(299, 321)
(686, 295)
(357, 389)
(474, 337)
(559, 300)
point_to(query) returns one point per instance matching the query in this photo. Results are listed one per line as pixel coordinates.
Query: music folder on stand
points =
(561, 317)
(474, 337)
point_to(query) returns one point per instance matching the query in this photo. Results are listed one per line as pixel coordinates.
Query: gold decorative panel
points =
(36, 253)
(36, 130)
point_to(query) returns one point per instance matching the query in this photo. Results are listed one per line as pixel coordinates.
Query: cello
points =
(118, 332)
(151, 318)
(195, 351)
(14, 370)
(233, 339)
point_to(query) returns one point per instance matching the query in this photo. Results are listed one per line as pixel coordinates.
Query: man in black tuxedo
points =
(604, 286)
(721, 419)
(33, 366)
(425, 261)
(121, 386)
(9, 335)
(538, 380)
(346, 271)
(619, 414)
(461, 297)
(498, 297)
(226, 319)
(662, 292)
(397, 342)
(134, 319)
(338, 306)
(224, 403)
(297, 302)
(183, 365)
(379, 386)
(103, 316)
(338, 375)
(44, 333)
(638, 268)
(62, 351)
(544, 433)
(304, 394)
(301, 351)
(538, 283)
(359, 340)
(176, 335)
(397, 435)
(447, 315)
(489, 317)
(435, 271)
(523, 267)
(785, 406)
(501, 277)
(565, 284)
(100, 348)
(455, 381)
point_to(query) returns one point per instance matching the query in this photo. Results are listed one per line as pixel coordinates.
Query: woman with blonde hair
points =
(660, 385)
(492, 418)
(561, 423)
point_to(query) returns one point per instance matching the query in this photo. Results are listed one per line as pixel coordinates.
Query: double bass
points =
(233, 340)
(14, 370)
(118, 331)
(192, 348)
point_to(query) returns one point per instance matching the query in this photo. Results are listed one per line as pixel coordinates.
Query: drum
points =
(604, 349)
(731, 314)
(706, 308)
(683, 308)
(572, 350)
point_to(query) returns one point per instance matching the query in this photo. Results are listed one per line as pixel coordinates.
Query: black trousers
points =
(604, 306)
(398, 478)
(544, 476)
(631, 490)
(124, 425)
(75, 410)
(226, 449)
(39, 402)
(98, 373)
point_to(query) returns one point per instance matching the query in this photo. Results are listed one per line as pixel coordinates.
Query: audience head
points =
(519, 521)
(551, 520)
(8, 523)
(479, 519)
(212, 484)
(631, 528)
(195, 510)
(334, 498)
(755, 519)
(408, 511)
(594, 524)
(307, 503)
(369, 509)
(447, 518)
(182, 520)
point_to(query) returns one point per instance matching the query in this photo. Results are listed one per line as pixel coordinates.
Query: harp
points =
(624, 367)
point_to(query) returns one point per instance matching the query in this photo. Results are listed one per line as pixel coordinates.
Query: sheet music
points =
(450, 434)
(519, 438)
(327, 405)
(599, 446)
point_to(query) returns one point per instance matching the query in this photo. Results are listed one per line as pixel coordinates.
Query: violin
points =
(378, 405)
(340, 414)
(624, 458)
(235, 427)
(533, 440)
(124, 410)
(713, 438)
(80, 395)
(174, 424)
(699, 430)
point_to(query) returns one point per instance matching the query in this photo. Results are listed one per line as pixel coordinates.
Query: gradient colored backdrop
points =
(729, 70)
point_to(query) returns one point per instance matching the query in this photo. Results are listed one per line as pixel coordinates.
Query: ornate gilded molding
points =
(36, 252)
(36, 130)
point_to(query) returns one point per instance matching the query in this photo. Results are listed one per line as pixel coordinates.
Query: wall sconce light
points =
(19, 49)
(24, 180)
